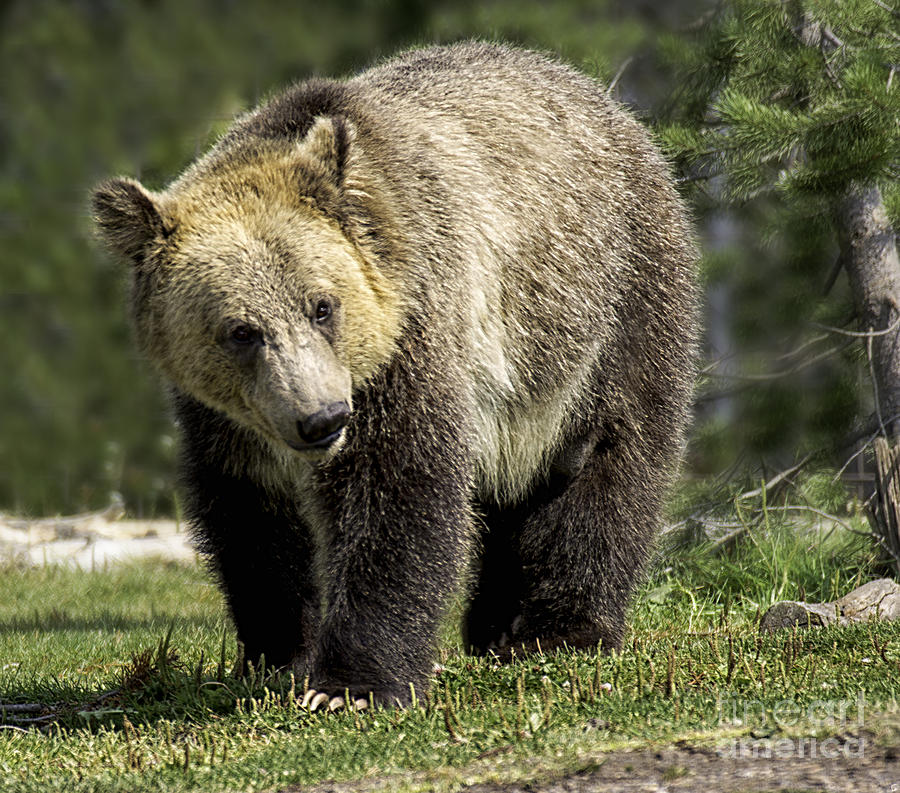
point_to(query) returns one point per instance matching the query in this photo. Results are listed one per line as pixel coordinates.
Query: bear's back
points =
(537, 227)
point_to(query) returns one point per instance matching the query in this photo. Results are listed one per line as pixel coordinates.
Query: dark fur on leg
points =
(584, 551)
(254, 541)
(398, 501)
(500, 586)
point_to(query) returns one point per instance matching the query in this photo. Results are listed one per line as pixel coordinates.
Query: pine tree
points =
(801, 98)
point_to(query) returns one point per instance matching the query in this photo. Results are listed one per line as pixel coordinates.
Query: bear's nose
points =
(323, 427)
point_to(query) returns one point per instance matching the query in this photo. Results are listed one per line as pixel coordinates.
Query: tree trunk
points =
(885, 508)
(869, 252)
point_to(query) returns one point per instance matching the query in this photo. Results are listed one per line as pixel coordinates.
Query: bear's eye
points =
(323, 311)
(244, 334)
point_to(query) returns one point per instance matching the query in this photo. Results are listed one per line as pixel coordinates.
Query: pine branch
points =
(761, 378)
(860, 334)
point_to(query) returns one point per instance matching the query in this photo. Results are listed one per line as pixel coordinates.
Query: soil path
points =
(846, 764)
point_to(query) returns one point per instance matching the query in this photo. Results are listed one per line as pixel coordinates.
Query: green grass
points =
(694, 666)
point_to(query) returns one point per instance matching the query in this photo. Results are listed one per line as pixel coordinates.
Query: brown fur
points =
(511, 274)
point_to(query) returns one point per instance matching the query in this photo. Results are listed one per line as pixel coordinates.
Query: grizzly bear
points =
(427, 330)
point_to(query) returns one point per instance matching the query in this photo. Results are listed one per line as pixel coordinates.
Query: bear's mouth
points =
(319, 445)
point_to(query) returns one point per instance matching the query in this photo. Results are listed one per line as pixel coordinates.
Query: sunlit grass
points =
(155, 635)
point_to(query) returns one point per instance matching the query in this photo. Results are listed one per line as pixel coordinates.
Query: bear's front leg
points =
(252, 537)
(397, 499)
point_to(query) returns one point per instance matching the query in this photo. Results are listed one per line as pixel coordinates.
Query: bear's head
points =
(247, 293)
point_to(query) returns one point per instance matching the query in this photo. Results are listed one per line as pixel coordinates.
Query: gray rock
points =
(788, 613)
(875, 600)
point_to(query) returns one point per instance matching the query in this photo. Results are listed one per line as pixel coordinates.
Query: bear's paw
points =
(333, 697)
(314, 700)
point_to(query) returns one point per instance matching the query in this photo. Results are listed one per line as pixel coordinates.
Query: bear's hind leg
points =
(499, 584)
(583, 551)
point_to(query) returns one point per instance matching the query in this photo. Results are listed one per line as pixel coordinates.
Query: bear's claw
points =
(313, 700)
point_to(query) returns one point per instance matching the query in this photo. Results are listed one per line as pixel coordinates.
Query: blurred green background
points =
(93, 88)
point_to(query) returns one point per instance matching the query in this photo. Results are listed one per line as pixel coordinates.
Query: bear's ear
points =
(327, 144)
(127, 216)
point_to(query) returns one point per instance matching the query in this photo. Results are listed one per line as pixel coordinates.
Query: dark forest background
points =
(94, 88)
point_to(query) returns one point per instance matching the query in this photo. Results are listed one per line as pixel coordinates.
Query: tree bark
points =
(885, 508)
(869, 252)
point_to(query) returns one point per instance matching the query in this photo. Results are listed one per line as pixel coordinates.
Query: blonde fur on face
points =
(253, 205)
(238, 243)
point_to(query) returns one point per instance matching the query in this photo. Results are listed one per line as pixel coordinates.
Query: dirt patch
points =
(850, 763)
(686, 768)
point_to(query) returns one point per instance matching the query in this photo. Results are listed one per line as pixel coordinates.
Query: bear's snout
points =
(322, 428)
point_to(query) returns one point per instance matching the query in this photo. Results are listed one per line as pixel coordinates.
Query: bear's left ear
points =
(127, 216)
(327, 145)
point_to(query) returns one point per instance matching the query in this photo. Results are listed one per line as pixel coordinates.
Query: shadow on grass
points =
(150, 685)
(60, 620)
